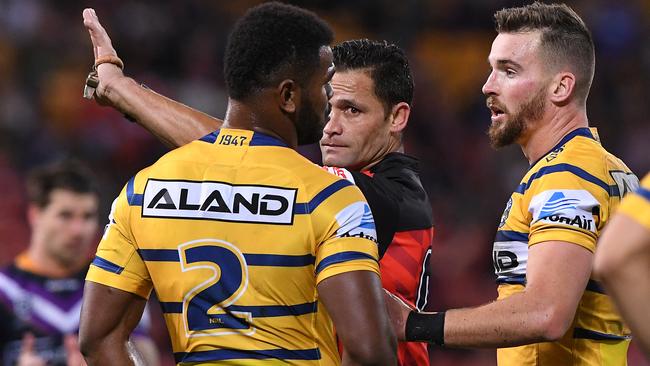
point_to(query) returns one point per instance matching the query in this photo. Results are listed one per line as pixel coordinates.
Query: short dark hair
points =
(565, 38)
(69, 175)
(387, 64)
(273, 41)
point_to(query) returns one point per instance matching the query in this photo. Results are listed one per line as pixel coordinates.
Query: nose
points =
(489, 88)
(333, 125)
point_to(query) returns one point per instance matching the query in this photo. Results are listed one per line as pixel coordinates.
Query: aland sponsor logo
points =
(567, 207)
(205, 200)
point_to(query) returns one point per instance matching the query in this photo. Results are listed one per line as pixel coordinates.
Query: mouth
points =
(495, 110)
(331, 145)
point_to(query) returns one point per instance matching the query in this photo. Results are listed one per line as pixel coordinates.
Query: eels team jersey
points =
(568, 195)
(234, 232)
(404, 220)
(637, 204)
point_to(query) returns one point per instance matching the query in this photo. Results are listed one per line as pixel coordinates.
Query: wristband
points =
(426, 327)
(108, 59)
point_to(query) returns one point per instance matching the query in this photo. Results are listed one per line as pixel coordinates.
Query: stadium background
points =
(176, 48)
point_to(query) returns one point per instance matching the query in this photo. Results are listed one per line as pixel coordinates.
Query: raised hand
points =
(107, 72)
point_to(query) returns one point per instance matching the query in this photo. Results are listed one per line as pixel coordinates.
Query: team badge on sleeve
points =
(356, 220)
(565, 207)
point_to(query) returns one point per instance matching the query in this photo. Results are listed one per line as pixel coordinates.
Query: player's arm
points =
(623, 264)
(104, 335)
(355, 304)
(173, 123)
(557, 276)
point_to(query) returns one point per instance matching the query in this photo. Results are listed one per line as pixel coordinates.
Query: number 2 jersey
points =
(568, 195)
(234, 232)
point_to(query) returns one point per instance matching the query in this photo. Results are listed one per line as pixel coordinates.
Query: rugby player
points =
(362, 142)
(252, 250)
(623, 261)
(41, 290)
(550, 311)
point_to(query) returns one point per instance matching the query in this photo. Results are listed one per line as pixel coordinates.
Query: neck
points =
(255, 115)
(394, 145)
(41, 263)
(548, 132)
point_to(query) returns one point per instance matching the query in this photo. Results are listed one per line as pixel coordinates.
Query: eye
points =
(510, 72)
(352, 110)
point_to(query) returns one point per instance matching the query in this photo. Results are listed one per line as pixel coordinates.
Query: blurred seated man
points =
(40, 292)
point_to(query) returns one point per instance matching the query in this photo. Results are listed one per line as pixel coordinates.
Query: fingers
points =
(28, 343)
(27, 355)
(102, 45)
(74, 357)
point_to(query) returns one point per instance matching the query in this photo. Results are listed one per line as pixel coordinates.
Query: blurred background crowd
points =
(176, 48)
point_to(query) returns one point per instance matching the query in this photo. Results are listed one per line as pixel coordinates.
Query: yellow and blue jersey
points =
(568, 195)
(637, 204)
(234, 232)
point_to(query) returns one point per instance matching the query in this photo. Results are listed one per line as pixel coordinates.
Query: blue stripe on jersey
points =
(159, 255)
(307, 208)
(558, 168)
(229, 354)
(107, 265)
(513, 280)
(341, 257)
(595, 286)
(171, 307)
(134, 199)
(277, 260)
(643, 193)
(274, 260)
(581, 333)
(507, 235)
(210, 138)
(260, 139)
(257, 311)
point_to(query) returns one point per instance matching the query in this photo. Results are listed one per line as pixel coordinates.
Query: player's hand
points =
(398, 310)
(107, 73)
(73, 355)
(27, 355)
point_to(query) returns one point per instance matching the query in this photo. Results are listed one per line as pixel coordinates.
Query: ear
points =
(288, 95)
(399, 117)
(563, 87)
(33, 214)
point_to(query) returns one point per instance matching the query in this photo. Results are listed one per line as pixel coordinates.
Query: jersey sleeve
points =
(566, 207)
(381, 195)
(117, 262)
(637, 204)
(345, 235)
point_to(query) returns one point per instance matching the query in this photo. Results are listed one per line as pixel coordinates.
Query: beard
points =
(311, 122)
(511, 129)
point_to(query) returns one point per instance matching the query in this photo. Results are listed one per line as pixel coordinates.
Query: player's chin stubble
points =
(508, 132)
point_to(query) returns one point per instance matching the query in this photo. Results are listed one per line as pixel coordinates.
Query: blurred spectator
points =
(41, 290)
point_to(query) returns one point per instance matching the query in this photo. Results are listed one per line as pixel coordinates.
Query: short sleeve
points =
(117, 262)
(564, 207)
(347, 239)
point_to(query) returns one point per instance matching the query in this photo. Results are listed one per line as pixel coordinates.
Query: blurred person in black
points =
(41, 291)
(362, 142)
